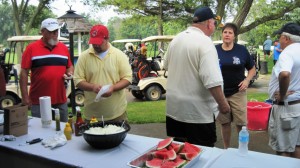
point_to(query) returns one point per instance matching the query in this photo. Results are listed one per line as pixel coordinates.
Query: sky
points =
(59, 7)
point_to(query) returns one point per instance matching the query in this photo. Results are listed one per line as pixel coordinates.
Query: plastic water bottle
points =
(243, 141)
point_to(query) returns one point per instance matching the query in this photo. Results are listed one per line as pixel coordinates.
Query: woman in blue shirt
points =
(234, 59)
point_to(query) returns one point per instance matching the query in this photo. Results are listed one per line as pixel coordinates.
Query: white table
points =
(77, 153)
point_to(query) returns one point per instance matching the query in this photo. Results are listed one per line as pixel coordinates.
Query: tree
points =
(161, 10)
(19, 15)
(22, 22)
(239, 10)
(6, 24)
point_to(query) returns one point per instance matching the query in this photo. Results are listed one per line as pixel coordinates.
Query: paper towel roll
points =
(45, 110)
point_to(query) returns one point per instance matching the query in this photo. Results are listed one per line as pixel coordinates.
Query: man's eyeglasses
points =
(279, 36)
(215, 23)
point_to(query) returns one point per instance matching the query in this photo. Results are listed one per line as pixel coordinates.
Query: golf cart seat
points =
(143, 68)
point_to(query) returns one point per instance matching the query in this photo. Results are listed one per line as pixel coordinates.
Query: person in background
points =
(284, 90)
(100, 65)
(50, 64)
(267, 47)
(234, 59)
(277, 51)
(195, 82)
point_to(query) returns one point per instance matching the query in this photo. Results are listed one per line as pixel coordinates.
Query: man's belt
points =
(289, 103)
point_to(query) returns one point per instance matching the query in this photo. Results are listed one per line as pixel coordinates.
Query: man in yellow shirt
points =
(100, 65)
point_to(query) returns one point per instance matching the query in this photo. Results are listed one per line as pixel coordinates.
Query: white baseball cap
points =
(50, 24)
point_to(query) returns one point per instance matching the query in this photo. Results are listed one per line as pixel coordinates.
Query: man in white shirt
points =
(194, 88)
(284, 89)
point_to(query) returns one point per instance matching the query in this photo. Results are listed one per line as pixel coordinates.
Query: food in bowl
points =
(107, 129)
(105, 141)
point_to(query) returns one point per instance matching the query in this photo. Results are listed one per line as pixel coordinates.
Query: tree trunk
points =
(18, 18)
(242, 13)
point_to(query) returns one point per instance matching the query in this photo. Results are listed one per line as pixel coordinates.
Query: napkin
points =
(102, 91)
(57, 140)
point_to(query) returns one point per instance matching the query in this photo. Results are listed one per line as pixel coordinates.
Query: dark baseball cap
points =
(291, 28)
(203, 13)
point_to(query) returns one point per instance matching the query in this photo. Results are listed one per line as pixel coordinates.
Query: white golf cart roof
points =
(31, 38)
(126, 41)
(158, 38)
(239, 42)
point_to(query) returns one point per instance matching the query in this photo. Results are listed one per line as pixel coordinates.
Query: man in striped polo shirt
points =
(49, 62)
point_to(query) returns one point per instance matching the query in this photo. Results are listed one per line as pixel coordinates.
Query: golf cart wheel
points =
(7, 100)
(153, 93)
(137, 94)
(79, 98)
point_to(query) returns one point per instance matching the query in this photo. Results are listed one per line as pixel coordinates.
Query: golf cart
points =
(129, 47)
(151, 84)
(12, 70)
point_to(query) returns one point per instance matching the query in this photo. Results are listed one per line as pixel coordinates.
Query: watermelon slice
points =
(179, 161)
(188, 156)
(190, 148)
(172, 155)
(177, 147)
(164, 143)
(154, 163)
(168, 164)
(165, 154)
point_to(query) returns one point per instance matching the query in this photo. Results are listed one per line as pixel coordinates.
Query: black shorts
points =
(199, 134)
(267, 52)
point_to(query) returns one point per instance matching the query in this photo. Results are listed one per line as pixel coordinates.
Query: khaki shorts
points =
(238, 114)
(284, 128)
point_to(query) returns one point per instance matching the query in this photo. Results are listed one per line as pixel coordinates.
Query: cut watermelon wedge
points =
(154, 163)
(164, 143)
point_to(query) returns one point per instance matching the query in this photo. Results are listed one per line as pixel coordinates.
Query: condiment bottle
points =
(79, 122)
(57, 119)
(70, 121)
(93, 120)
(68, 131)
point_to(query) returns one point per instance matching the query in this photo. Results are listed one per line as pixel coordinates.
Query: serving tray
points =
(139, 161)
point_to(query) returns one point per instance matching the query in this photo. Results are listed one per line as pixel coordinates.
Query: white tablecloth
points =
(78, 153)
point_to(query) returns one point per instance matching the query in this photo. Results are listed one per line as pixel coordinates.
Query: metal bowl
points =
(104, 141)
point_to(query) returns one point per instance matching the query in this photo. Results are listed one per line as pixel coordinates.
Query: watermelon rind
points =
(179, 161)
(177, 147)
(164, 143)
(188, 156)
(165, 154)
(154, 163)
(188, 147)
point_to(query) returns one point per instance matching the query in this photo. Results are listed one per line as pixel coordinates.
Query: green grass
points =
(253, 96)
(154, 111)
(146, 112)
